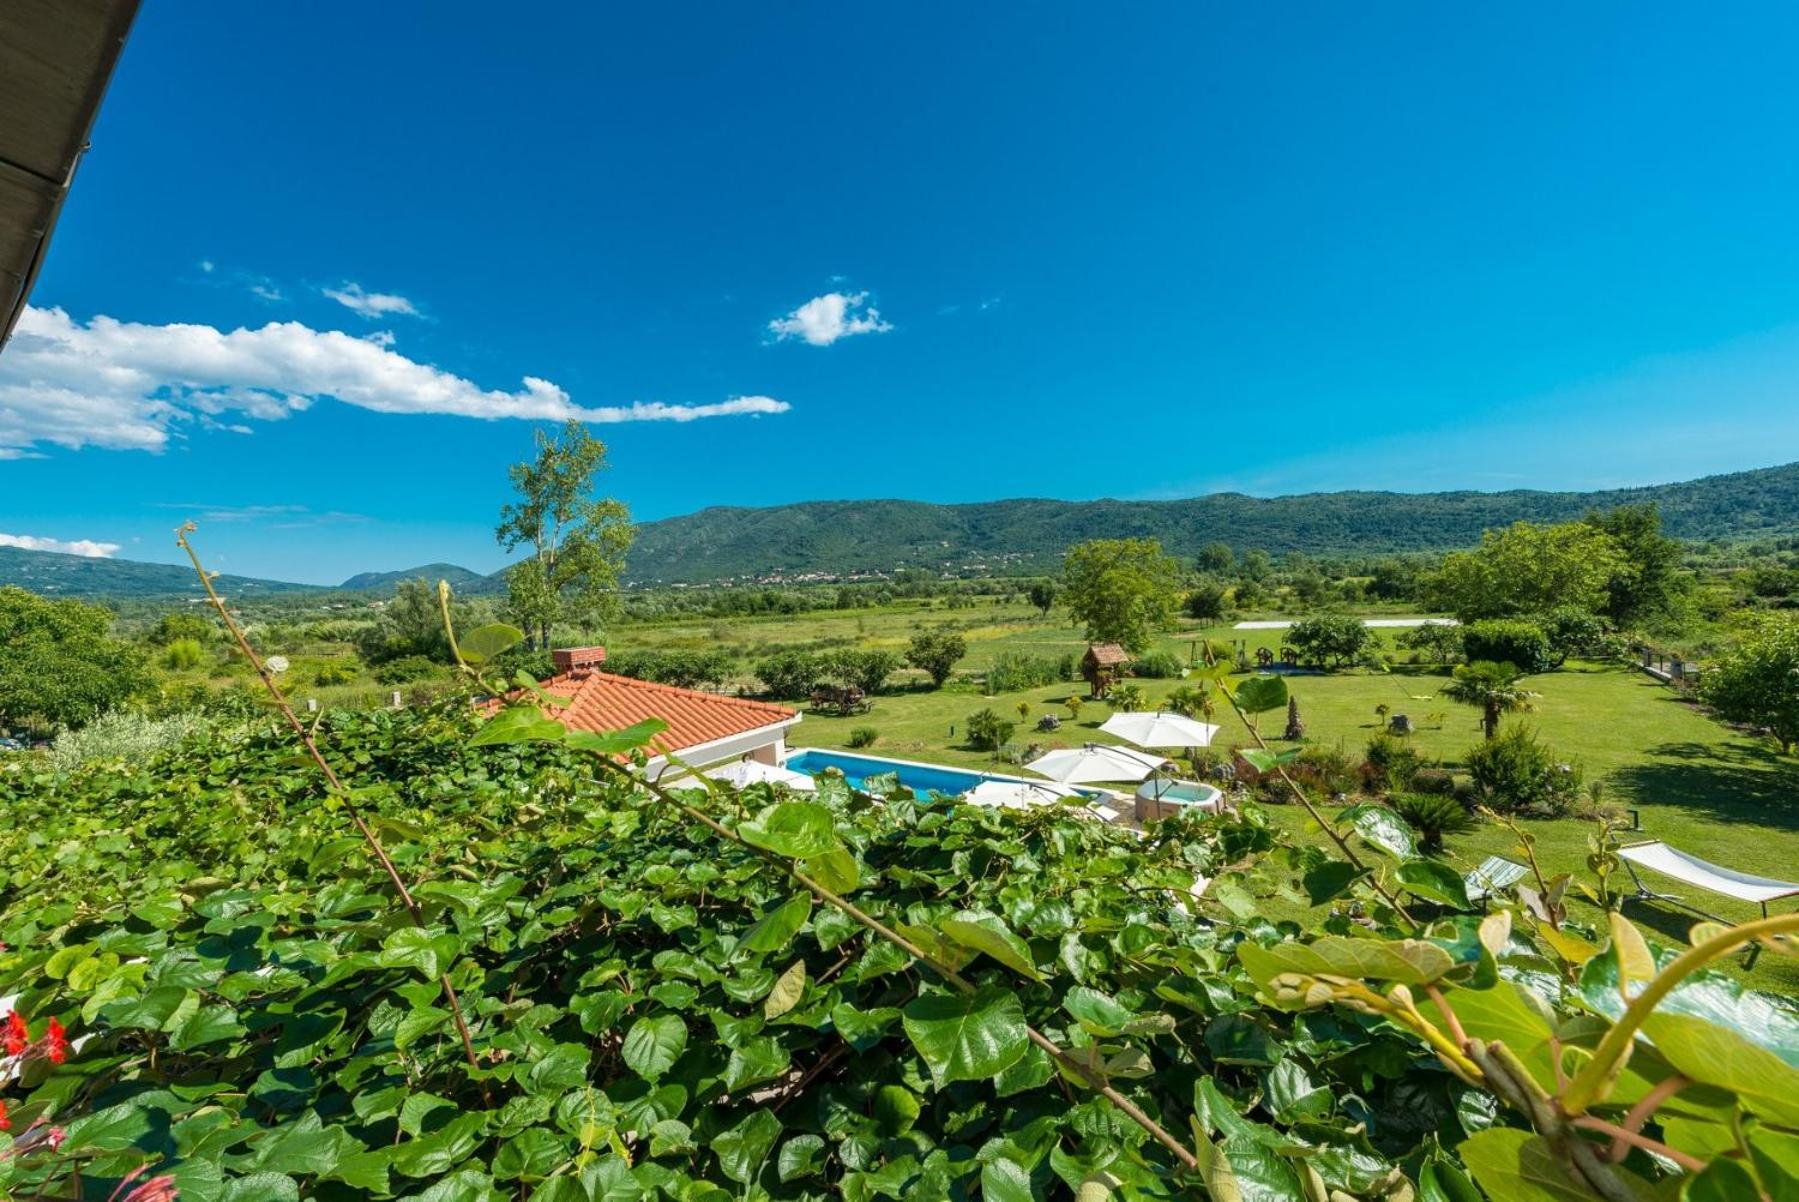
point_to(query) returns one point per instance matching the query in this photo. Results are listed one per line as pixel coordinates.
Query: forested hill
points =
(55, 575)
(1030, 535)
(835, 538)
(461, 578)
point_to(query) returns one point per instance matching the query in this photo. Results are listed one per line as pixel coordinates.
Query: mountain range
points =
(821, 539)
(842, 537)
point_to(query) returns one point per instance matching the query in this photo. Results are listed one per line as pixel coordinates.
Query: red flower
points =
(17, 1037)
(157, 1189)
(57, 1043)
(5, 1119)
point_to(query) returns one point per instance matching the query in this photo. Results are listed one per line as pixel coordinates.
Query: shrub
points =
(867, 670)
(1433, 816)
(1158, 665)
(1392, 762)
(863, 736)
(334, 674)
(1433, 780)
(1574, 631)
(234, 701)
(1013, 672)
(935, 653)
(987, 731)
(429, 691)
(1320, 771)
(1329, 640)
(59, 665)
(1068, 667)
(406, 669)
(119, 736)
(1206, 602)
(1511, 641)
(686, 669)
(174, 627)
(183, 655)
(789, 674)
(1516, 773)
(539, 665)
(1439, 642)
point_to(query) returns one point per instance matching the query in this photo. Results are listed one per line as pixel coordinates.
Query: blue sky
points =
(1274, 250)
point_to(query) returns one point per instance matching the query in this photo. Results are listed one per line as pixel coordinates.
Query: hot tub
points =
(1159, 798)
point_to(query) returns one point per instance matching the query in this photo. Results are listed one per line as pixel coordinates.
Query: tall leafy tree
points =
(1122, 589)
(1528, 568)
(1647, 582)
(1217, 557)
(1757, 681)
(59, 664)
(578, 542)
(412, 624)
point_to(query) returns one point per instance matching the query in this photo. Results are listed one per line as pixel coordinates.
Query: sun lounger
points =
(1659, 857)
(1495, 873)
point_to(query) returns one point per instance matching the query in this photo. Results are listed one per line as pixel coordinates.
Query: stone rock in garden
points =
(1400, 725)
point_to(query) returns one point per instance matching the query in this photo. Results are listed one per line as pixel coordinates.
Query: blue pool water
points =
(920, 778)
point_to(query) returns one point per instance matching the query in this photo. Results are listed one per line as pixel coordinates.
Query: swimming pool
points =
(920, 778)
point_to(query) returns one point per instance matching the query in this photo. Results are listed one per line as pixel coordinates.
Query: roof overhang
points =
(56, 57)
(731, 747)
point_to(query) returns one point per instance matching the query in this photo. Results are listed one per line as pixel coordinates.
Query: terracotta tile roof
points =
(600, 701)
(1107, 653)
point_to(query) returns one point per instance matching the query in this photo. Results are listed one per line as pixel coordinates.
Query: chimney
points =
(578, 659)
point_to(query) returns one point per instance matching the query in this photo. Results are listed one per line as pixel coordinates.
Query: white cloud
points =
(371, 304)
(207, 265)
(129, 386)
(824, 319)
(87, 548)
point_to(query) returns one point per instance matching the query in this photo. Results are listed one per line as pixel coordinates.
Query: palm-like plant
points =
(1190, 702)
(1493, 689)
(1126, 698)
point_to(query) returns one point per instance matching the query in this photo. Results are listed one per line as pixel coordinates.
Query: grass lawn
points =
(1700, 786)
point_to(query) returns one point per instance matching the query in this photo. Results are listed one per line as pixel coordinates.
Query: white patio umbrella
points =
(1095, 762)
(1160, 730)
(1019, 794)
(751, 772)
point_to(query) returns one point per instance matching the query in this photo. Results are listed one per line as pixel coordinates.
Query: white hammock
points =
(1758, 890)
